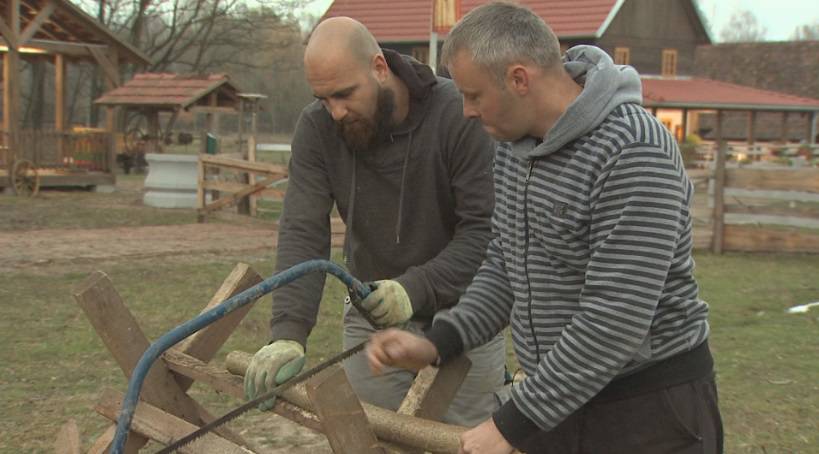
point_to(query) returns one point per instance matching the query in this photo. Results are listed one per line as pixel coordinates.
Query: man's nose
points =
(337, 110)
(470, 111)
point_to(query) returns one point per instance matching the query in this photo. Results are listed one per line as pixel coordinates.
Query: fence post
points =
(719, 191)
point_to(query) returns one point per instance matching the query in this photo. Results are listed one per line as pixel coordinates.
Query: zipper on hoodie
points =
(526, 254)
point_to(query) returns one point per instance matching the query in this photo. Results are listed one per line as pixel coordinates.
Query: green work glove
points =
(388, 305)
(272, 365)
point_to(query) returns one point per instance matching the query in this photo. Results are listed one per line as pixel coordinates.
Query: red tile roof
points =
(168, 90)
(410, 20)
(706, 93)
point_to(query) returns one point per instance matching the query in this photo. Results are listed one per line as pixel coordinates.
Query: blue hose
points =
(184, 330)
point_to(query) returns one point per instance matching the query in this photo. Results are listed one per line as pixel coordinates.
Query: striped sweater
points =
(591, 265)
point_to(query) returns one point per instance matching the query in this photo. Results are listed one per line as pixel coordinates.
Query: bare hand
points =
(484, 439)
(397, 348)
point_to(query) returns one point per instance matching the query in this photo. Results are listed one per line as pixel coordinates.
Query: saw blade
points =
(264, 397)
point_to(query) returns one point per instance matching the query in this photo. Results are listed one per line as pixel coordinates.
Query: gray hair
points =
(499, 34)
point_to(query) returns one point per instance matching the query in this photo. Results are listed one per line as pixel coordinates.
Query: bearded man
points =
(386, 143)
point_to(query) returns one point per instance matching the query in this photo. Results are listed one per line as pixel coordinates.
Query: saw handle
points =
(174, 336)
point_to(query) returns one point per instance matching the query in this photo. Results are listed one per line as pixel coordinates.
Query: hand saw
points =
(264, 397)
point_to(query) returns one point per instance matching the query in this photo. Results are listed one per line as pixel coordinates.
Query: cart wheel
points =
(24, 178)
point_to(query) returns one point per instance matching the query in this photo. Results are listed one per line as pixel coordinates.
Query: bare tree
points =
(807, 32)
(743, 27)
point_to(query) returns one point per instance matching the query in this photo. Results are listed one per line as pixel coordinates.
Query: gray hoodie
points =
(592, 262)
(417, 207)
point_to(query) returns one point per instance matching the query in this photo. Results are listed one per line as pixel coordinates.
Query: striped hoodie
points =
(591, 260)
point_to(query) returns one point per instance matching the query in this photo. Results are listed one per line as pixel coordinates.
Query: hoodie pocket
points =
(562, 231)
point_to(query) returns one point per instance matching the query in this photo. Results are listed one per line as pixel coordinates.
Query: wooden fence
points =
(756, 208)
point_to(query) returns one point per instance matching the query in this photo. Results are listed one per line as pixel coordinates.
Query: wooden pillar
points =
(814, 116)
(784, 130)
(719, 188)
(684, 125)
(111, 113)
(59, 104)
(752, 135)
(154, 143)
(251, 155)
(243, 207)
(11, 78)
(810, 118)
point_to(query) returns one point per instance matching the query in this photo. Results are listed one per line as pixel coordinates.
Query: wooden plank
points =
(8, 35)
(164, 428)
(125, 340)
(232, 385)
(341, 414)
(759, 239)
(204, 344)
(68, 439)
(109, 68)
(799, 180)
(219, 379)
(780, 219)
(232, 199)
(434, 389)
(772, 195)
(35, 24)
(238, 164)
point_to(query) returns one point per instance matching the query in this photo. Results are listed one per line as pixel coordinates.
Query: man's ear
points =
(518, 79)
(379, 67)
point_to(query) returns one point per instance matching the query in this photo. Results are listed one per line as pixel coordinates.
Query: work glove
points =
(388, 305)
(272, 365)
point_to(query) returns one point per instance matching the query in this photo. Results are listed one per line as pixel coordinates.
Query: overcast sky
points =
(779, 17)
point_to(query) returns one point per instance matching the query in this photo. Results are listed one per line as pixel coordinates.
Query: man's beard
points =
(360, 134)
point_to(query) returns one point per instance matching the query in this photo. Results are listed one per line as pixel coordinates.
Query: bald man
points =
(386, 144)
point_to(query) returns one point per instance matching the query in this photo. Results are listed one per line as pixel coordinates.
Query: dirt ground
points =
(58, 247)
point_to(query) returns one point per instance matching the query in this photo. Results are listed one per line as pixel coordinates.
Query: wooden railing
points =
(758, 208)
(86, 150)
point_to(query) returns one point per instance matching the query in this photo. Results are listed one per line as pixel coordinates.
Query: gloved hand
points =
(388, 305)
(272, 365)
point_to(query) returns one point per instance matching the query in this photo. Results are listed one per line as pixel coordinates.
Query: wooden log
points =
(163, 427)
(405, 430)
(223, 381)
(68, 439)
(342, 417)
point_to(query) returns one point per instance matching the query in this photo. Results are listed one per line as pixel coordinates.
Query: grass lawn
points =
(54, 365)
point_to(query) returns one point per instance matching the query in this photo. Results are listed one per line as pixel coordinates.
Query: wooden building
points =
(60, 33)
(655, 36)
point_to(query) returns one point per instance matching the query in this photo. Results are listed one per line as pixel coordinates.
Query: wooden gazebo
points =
(61, 33)
(151, 94)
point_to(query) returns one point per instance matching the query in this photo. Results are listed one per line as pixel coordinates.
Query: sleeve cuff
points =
(446, 339)
(515, 427)
(415, 290)
(290, 330)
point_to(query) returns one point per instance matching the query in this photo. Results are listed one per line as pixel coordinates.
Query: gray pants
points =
(473, 404)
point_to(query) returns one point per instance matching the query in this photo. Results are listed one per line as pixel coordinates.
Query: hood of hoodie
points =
(419, 80)
(605, 86)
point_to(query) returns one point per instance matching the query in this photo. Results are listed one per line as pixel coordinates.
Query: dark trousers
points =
(680, 419)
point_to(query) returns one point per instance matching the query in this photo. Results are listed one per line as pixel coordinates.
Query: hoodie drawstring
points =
(349, 227)
(401, 192)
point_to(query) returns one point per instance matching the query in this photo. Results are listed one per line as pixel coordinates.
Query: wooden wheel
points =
(24, 178)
